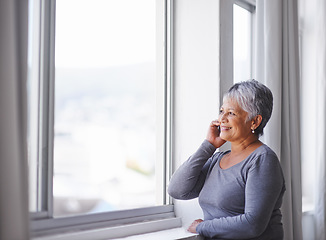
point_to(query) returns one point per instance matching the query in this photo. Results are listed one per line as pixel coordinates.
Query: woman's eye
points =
(221, 111)
(231, 113)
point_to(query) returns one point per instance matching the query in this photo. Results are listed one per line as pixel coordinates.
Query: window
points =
(99, 110)
(105, 128)
(242, 43)
(100, 102)
(237, 19)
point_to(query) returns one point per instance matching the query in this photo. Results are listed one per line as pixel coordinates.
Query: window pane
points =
(241, 43)
(105, 106)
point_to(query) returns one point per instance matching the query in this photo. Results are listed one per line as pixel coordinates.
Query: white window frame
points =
(226, 66)
(226, 41)
(134, 221)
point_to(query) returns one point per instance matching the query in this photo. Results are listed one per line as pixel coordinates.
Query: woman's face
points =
(234, 122)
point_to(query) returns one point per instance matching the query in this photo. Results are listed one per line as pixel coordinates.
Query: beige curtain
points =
(13, 160)
(278, 67)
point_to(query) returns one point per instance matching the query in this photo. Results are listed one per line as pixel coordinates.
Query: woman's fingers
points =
(194, 224)
(213, 135)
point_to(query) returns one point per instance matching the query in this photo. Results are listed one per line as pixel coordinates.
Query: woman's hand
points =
(192, 227)
(213, 134)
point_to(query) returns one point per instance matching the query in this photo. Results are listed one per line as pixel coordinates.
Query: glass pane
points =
(105, 98)
(241, 44)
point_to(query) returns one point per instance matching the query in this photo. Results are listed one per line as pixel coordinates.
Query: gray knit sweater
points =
(241, 202)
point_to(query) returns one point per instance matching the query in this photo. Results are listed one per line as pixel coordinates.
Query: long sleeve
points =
(263, 191)
(189, 178)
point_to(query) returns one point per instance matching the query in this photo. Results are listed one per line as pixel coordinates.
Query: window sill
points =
(161, 229)
(175, 234)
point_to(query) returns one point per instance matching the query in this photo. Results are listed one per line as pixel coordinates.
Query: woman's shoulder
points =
(267, 152)
(263, 155)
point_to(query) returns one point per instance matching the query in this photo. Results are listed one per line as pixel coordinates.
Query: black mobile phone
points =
(219, 128)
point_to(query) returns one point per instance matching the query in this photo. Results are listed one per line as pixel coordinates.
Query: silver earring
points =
(253, 130)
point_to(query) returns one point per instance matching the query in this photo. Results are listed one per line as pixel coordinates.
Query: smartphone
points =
(219, 128)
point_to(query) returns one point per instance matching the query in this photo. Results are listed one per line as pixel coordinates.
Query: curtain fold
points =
(313, 61)
(320, 87)
(278, 67)
(14, 216)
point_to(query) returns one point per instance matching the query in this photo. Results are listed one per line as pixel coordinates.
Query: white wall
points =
(196, 88)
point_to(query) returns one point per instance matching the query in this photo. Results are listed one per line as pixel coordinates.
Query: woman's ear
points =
(256, 121)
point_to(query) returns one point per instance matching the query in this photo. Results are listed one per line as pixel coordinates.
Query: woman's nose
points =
(222, 117)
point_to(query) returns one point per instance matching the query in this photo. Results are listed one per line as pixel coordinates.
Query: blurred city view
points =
(105, 106)
(105, 139)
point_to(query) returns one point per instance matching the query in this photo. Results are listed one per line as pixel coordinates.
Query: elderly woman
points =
(240, 191)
